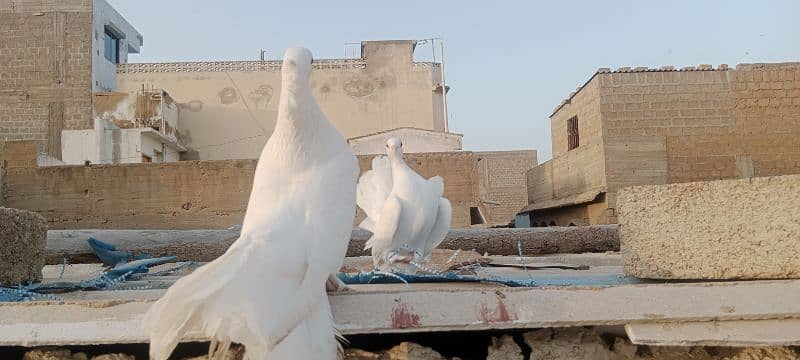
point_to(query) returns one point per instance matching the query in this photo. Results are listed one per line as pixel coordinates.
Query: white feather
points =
(267, 291)
(374, 187)
(406, 213)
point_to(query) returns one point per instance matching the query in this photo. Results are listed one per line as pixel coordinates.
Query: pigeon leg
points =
(334, 284)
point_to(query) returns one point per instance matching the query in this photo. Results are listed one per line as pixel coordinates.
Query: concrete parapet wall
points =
(180, 195)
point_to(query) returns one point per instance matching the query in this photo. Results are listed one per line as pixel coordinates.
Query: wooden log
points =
(206, 245)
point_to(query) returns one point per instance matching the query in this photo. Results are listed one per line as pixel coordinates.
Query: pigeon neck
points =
(396, 161)
(301, 131)
(296, 112)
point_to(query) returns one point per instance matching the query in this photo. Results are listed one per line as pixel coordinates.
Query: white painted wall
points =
(78, 146)
(104, 72)
(151, 146)
(173, 153)
(130, 148)
(414, 141)
(95, 145)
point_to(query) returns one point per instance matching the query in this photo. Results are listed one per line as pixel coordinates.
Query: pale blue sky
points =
(509, 62)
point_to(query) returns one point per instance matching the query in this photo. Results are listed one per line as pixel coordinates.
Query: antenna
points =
(444, 88)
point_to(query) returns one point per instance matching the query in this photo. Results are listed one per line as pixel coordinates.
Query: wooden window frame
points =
(573, 135)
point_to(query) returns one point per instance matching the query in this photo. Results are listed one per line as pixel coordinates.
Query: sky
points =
(508, 63)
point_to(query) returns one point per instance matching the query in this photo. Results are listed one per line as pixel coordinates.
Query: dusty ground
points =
(559, 344)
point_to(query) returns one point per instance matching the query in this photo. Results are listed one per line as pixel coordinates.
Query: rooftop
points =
(643, 69)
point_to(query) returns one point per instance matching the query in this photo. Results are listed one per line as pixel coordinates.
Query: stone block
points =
(730, 229)
(23, 236)
(504, 348)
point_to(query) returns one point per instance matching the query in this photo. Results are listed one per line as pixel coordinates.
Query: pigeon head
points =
(297, 63)
(394, 146)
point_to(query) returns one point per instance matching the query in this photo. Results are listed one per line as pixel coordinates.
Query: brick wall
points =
(584, 104)
(765, 138)
(571, 173)
(579, 170)
(503, 182)
(45, 79)
(540, 182)
(642, 110)
(180, 195)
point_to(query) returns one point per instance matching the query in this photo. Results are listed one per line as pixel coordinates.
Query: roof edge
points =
(640, 69)
(404, 128)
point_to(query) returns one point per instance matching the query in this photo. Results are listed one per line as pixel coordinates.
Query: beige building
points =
(228, 108)
(659, 126)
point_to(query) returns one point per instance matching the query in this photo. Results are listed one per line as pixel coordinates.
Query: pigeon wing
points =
(436, 184)
(386, 227)
(440, 228)
(373, 189)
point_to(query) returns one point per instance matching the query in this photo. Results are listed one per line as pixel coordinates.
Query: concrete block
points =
(23, 236)
(731, 229)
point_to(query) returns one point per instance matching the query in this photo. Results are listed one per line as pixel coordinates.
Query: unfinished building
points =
(658, 126)
(55, 54)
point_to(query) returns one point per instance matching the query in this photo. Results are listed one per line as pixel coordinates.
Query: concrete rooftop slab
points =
(106, 317)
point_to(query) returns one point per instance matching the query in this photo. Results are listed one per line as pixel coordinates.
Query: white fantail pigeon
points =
(267, 291)
(407, 215)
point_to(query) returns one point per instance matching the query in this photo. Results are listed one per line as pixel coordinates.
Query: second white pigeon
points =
(406, 213)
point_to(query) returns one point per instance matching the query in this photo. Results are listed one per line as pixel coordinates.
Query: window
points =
(111, 45)
(475, 216)
(572, 133)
